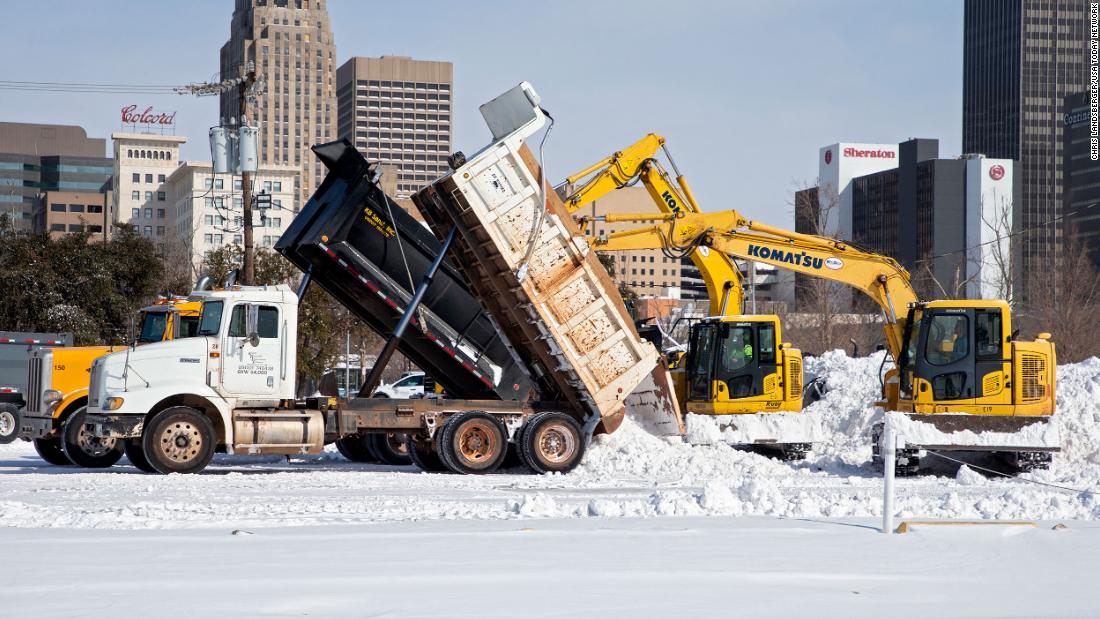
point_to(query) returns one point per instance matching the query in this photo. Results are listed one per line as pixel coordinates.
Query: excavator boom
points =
(881, 278)
(638, 163)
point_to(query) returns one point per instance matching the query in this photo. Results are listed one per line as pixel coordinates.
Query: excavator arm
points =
(879, 277)
(637, 163)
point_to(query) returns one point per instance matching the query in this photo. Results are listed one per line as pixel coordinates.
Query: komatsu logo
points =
(795, 258)
(671, 201)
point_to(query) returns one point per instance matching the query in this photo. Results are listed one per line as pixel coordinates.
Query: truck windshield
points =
(211, 318)
(153, 325)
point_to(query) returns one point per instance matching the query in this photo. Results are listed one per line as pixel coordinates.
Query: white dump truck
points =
(571, 363)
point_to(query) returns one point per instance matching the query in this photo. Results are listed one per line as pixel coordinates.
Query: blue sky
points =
(745, 92)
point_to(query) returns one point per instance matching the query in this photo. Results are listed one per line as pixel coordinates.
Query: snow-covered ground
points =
(645, 526)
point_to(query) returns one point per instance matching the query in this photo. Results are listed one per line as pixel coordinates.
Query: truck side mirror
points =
(251, 321)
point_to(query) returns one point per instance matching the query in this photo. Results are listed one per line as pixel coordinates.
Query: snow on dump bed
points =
(629, 473)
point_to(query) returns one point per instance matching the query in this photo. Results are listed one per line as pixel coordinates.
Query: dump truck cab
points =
(57, 380)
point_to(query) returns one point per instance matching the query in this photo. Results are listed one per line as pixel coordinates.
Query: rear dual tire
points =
(551, 443)
(382, 447)
(50, 450)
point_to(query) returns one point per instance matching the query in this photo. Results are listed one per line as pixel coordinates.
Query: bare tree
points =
(1065, 300)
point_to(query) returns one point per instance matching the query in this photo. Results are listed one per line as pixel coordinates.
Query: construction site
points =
(591, 383)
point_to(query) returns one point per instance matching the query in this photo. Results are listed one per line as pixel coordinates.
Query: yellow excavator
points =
(958, 364)
(762, 375)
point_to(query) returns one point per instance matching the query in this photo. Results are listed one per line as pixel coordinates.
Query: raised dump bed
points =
(549, 293)
(346, 240)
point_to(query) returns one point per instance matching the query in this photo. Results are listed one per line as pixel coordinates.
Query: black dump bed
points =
(345, 238)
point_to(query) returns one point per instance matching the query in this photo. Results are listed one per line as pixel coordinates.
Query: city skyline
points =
(744, 113)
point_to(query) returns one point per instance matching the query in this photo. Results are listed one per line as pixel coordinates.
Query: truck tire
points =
(179, 440)
(10, 418)
(50, 450)
(389, 448)
(473, 442)
(135, 452)
(354, 447)
(85, 449)
(552, 443)
(424, 457)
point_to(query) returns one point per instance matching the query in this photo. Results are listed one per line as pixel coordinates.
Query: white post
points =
(888, 446)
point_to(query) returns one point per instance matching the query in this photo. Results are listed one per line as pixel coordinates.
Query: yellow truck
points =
(57, 388)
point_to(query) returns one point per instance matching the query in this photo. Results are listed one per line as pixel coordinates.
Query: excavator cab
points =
(738, 365)
(958, 356)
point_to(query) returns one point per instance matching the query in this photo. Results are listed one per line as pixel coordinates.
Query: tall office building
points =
(1021, 58)
(1081, 176)
(290, 42)
(397, 111)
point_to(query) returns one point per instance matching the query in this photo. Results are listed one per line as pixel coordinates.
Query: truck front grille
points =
(34, 384)
(96, 375)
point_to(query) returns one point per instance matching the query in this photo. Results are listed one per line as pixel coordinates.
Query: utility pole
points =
(243, 90)
(249, 86)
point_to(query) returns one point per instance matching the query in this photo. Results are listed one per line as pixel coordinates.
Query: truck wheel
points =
(473, 442)
(49, 449)
(135, 452)
(10, 418)
(424, 457)
(354, 447)
(86, 449)
(389, 448)
(179, 440)
(552, 443)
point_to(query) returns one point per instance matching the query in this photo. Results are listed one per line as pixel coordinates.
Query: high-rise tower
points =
(290, 42)
(1020, 59)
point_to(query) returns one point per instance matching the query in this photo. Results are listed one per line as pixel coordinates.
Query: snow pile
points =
(630, 473)
(715, 479)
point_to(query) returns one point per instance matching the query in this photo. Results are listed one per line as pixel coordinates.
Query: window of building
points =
(160, 230)
(209, 183)
(237, 184)
(277, 185)
(161, 178)
(149, 196)
(208, 238)
(237, 239)
(161, 196)
(219, 183)
(267, 186)
(147, 231)
(57, 227)
(135, 213)
(94, 229)
(95, 208)
(137, 177)
(208, 220)
(57, 208)
(148, 178)
(209, 202)
(148, 213)
(160, 213)
(76, 208)
(218, 239)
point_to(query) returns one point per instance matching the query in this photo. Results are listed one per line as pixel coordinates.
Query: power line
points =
(998, 239)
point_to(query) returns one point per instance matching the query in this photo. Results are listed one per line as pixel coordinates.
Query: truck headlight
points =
(112, 404)
(51, 396)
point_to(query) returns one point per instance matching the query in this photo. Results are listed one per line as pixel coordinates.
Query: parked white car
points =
(411, 385)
